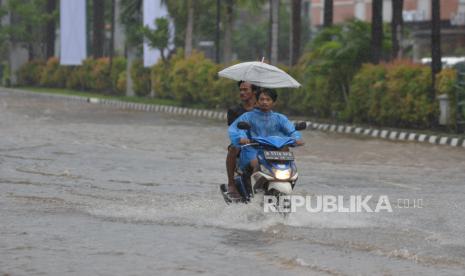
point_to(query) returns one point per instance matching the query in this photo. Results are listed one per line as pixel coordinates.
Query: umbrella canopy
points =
(260, 74)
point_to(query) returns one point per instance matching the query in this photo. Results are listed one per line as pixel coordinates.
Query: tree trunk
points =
(50, 30)
(189, 28)
(270, 33)
(98, 28)
(376, 31)
(397, 28)
(328, 13)
(295, 31)
(112, 42)
(436, 64)
(217, 35)
(274, 31)
(227, 47)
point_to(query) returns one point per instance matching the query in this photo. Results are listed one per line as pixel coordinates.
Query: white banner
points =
(72, 32)
(152, 9)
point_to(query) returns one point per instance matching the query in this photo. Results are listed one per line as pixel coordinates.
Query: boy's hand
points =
(244, 141)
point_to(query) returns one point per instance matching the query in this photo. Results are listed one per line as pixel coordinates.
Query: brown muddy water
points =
(94, 190)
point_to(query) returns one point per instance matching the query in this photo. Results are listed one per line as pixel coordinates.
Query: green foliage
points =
(446, 82)
(93, 75)
(54, 75)
(131, 19)
(81, 77)
(327, 68)
(204, 19)
(159, 37)
(250, 41)
(30, 73)
(118, 75)
(28, 17)
(367, 90)
(140, 78)
(192, 81)
(394, 94)
(100, 74)
(121, 83)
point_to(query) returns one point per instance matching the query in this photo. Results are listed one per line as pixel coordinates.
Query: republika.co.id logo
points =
(333, 204)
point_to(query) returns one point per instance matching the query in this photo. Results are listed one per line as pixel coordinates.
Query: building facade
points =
(417, 20)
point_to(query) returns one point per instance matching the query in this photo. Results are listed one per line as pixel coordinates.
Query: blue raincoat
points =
(262, 124)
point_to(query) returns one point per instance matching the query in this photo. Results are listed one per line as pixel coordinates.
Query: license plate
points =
(279, 155)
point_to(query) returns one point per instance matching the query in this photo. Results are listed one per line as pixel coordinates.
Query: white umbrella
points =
(260, 74)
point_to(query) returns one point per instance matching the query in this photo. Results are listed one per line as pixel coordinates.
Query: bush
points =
(118, 74)
(445, 84)
(326, 71)
(81, 77)
(30, 73)
(366, 92)
(121, 83)
(101, 75)
(140, 78)
(395, 94)
(160, 77)
(54, 75)
(191, 79)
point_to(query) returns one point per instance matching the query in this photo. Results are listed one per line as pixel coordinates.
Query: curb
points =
(392, 135)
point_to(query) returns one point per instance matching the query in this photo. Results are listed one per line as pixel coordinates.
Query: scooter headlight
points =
(266, 170)
(282, 174)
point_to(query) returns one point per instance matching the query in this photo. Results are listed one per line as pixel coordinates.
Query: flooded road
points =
(95, 190)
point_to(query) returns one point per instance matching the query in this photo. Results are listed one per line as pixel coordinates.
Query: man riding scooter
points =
(263, 122)
(248, 102)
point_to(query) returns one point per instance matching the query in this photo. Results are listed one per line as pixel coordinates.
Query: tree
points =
(327, 69)
(158, 38)
(217, 31)
(436, 64)
(26, 26)
(328, 13)
(274, 31)
(227, 45)
(50, 29)
(397, 27)
(131, 18)
(189, 28)
(376, 31)
(98, 31)
(294, 46)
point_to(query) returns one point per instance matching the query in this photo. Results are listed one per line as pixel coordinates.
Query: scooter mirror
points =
(243, 125)
(300, 125)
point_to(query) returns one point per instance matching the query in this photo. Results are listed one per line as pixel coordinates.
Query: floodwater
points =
(94, 190)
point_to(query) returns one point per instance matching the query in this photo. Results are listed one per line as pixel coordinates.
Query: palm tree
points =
(376, 31)
(328, 13)
(98, 27)
(189, 28)
(227, 44)
(50, 29)
(435, 43)
(217, 35)
(274, 31)
(396, 27)
(294, 46)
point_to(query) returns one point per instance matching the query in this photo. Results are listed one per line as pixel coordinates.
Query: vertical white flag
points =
(152, 9)
(72, 32)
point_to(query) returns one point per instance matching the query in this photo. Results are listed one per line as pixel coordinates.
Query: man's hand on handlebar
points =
(299, 143)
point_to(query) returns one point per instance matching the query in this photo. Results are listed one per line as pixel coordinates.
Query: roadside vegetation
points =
(339, 83)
